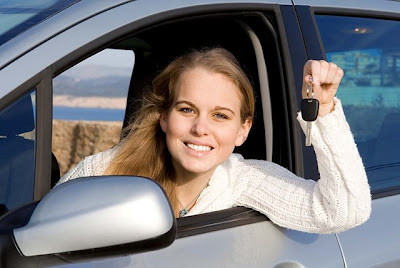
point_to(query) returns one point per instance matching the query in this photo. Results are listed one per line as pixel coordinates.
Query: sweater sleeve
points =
(340, 199)
(93, 165)
(77, 172)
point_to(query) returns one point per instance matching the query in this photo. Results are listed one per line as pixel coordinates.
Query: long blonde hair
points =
(143, 152)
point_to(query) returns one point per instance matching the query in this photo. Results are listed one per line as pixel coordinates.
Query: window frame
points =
(9, 108)
(232, 217)
(42, 82)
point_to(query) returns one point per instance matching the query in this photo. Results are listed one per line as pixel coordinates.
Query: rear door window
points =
(368, 50)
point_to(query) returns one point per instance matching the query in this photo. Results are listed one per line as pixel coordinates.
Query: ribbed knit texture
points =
(340, 199)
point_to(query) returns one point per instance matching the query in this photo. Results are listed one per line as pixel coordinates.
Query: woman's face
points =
(203, 125)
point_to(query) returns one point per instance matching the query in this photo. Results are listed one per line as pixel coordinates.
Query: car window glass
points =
(368, 50)
(89, 102)
(19, 15)
(17, 152)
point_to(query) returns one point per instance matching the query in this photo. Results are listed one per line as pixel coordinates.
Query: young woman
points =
(200, 107)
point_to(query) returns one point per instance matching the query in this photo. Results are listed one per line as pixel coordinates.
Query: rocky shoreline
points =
(74, 140)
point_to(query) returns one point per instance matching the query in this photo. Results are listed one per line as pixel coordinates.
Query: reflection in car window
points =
(19, 15)
(368, 50)
(89, 102)
(17, 152)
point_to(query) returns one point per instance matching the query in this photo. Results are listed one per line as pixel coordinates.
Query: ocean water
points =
(89, 114)
(378, 97)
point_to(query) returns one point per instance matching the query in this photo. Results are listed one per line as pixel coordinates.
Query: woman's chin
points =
(197, 168)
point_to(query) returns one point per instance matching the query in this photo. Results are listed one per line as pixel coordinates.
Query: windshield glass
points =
(17, 16)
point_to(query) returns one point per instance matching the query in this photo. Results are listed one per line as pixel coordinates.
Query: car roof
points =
(366, 5)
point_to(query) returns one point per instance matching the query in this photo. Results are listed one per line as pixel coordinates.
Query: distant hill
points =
(93, 80)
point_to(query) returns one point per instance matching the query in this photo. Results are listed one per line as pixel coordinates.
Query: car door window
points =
(89, 103)
(17, 152)
(368, 50)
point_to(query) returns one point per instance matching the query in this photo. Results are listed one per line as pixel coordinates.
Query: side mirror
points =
(96, 214)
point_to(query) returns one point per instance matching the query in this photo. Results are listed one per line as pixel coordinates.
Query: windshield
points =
(16, 16)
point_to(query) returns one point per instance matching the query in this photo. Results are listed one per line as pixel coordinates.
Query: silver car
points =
(80, 63)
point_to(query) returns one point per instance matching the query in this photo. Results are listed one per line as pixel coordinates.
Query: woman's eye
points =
(221, 116)
(186, 110)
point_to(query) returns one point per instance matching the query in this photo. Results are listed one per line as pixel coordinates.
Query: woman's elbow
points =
(356, 216)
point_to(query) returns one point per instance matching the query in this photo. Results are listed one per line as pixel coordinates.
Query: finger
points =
(324, 69)
(331, 73)
(338, 76)
(307, 71)
(315, 72)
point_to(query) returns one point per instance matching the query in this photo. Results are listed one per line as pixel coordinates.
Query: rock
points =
(74, 140)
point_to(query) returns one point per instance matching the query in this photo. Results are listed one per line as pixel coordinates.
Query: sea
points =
(385, 97)
(88, 114)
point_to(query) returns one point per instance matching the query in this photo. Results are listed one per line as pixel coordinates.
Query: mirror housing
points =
(95, 214)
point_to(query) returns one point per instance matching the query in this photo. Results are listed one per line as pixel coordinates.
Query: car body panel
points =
(260, 244)
(376, 243)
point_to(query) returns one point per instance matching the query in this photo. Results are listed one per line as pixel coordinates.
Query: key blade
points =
(308, 133)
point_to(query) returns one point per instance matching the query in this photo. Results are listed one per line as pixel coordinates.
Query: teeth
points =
(200, 148)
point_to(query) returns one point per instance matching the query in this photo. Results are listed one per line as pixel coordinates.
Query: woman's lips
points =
(199, 148)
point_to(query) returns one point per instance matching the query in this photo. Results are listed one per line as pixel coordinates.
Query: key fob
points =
(309, 109)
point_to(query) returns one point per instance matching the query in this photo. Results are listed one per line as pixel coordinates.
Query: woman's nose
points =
(201, 126)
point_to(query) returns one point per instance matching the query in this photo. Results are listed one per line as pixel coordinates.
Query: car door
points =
(233, 237)
(365, 43)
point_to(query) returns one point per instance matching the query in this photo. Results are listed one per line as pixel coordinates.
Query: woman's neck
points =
(191, 185)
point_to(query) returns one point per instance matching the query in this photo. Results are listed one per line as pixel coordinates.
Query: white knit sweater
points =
(340, 199)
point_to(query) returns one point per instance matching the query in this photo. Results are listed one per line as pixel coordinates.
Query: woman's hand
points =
(326, 79)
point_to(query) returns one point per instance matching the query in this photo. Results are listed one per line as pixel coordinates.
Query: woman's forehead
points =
(201, 85)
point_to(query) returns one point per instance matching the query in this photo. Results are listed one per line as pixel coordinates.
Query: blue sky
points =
(112, 58)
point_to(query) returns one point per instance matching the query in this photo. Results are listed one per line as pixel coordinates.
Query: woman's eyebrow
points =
(218, 108)
(184, 102)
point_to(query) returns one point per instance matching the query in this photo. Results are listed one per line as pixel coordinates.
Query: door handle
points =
(289, 264)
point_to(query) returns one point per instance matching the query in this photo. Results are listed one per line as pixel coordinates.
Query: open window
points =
(89, 102)
(257, 50)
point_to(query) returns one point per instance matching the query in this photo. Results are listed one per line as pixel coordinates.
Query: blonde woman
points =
(200, 107)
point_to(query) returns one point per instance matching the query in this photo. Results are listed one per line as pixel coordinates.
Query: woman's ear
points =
(243, 132)
(163, 121)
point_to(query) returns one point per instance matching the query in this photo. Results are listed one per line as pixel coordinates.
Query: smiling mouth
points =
(199, 148)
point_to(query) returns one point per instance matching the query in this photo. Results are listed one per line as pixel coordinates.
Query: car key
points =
(309, 110)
